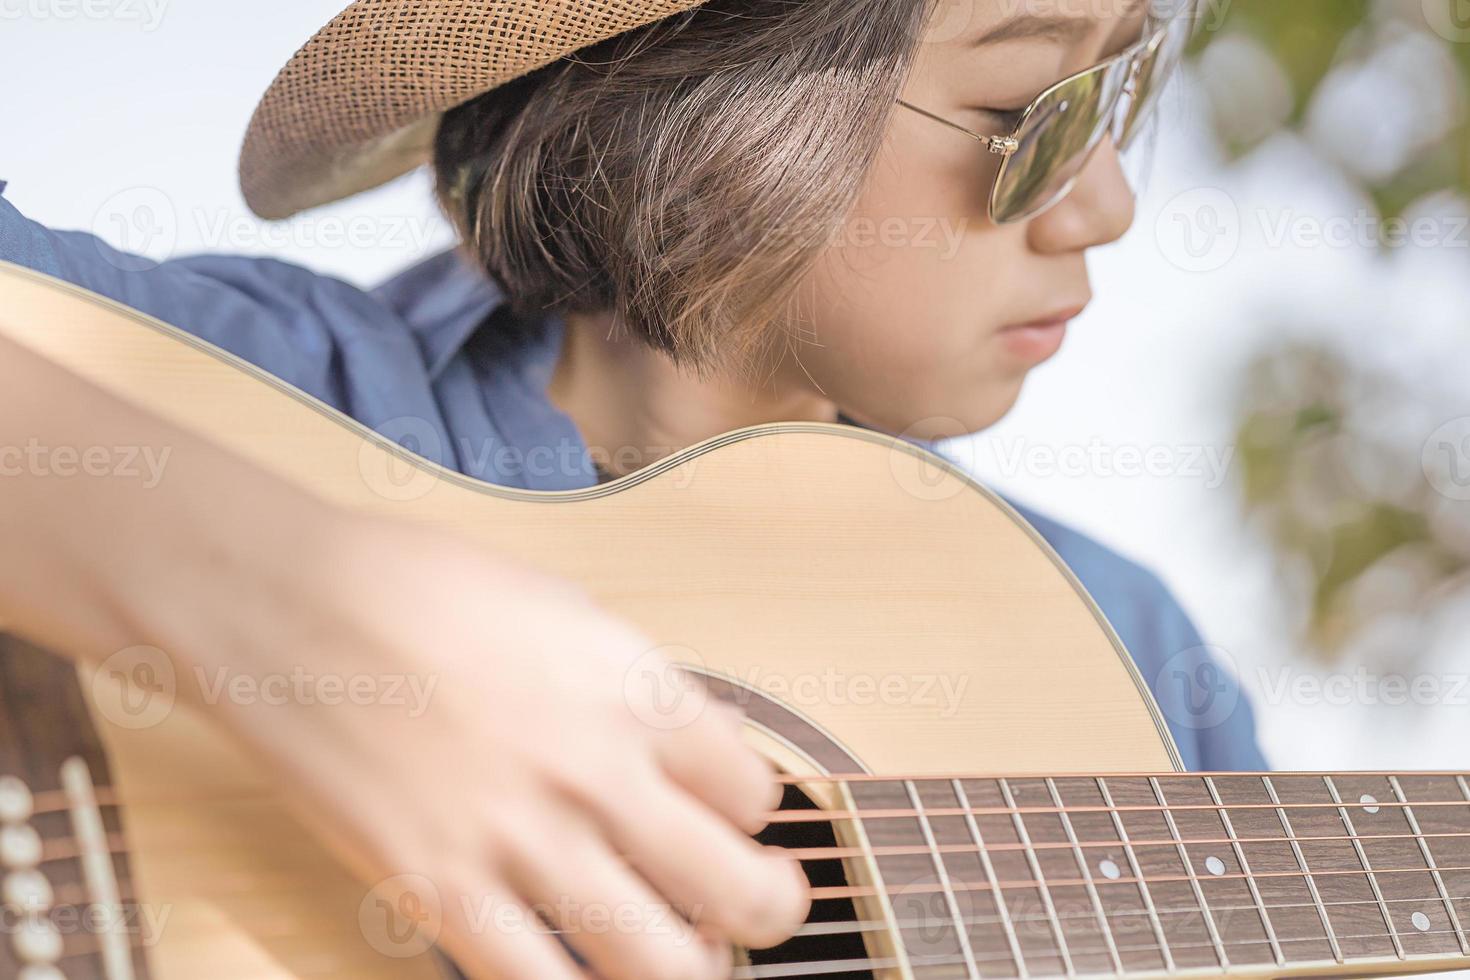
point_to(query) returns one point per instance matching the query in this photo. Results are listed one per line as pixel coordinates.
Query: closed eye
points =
(1004, 119)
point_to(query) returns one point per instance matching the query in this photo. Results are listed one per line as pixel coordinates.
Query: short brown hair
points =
(684, 175)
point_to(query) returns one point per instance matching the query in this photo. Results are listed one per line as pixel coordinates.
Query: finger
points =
(711, 760)
(492, 935)
(727, 882)
(609, 915)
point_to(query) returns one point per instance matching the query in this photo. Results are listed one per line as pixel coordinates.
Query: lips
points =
(1058, 318)
(1036, 340)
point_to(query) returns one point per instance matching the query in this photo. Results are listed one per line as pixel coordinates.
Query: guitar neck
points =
(1350, 873)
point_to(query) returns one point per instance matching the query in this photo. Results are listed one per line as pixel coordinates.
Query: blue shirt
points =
(433, 359)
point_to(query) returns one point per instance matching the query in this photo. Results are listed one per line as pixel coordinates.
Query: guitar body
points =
(875, 610)
(902, 617)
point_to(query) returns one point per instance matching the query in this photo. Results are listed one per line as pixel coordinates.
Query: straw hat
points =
(359, 104)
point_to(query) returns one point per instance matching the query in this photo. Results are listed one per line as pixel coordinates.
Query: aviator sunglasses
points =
(1059, 131)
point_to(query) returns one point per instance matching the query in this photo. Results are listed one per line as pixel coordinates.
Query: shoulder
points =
(1208, 714)
(373, 353)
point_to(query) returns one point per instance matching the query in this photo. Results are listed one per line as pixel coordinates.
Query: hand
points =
(528, 784)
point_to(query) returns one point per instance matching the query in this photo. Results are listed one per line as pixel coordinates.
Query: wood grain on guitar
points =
(892, 629)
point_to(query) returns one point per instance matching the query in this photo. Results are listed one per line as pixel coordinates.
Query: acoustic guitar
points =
(979, 783)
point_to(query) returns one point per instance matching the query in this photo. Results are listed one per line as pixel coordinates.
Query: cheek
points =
(902, 308)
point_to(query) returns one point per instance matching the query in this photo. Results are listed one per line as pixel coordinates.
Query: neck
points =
(634, 405)
(1262, 874)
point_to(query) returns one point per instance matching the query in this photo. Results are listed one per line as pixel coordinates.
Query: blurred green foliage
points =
(1360, 534)
(1311, 39)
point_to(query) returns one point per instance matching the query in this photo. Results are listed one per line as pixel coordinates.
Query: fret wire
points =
(1000, 900)
(1051, 910)
(1245, 866)
(1193, 881)
(949, 895)
(115, 950)
(1102, 919)
(887, 905)
(1444, 895)
(1367, 866)
(1301, 861)
(1148, 900)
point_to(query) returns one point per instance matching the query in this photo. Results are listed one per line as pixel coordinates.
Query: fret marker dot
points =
(1110, 870)
(1214, 865)
(1421, 921)
(1369, 803)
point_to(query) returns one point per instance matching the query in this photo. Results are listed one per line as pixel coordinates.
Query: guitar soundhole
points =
(815, 948)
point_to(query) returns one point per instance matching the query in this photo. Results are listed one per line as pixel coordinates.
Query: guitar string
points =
(117, 846)
(818, 816)
(836, 852)
(808, 968)
(921, 960)
(1192, 776)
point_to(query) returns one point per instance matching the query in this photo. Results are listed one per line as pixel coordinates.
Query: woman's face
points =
(924, 318)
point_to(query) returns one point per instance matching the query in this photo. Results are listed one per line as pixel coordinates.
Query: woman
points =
(677, 220)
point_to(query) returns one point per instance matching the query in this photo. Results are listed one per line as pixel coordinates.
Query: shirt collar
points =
(444, 299)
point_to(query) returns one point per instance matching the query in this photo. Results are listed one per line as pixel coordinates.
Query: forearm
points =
(117, 528)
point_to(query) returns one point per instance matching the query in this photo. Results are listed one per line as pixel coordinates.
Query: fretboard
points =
(1117, 875)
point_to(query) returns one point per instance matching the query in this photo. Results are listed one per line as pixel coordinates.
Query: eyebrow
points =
(1057, 27)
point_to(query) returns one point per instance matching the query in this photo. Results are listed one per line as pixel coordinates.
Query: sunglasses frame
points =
(1004, 146)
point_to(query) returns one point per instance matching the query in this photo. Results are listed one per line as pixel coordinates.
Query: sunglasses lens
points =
(1153, 77)
(1056, 141)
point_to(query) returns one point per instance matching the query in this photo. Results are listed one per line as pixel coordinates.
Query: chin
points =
(947, 419)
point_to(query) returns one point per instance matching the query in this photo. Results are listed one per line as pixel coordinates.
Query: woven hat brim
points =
(359, 104)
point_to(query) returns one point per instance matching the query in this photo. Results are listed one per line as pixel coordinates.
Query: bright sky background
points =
(129, 123)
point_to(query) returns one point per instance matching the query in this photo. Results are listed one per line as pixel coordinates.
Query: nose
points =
(1097, 211)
